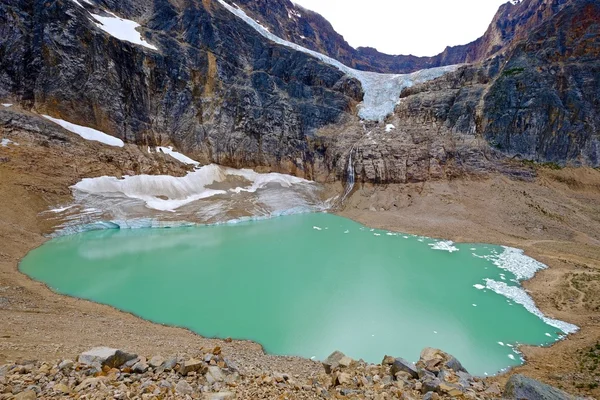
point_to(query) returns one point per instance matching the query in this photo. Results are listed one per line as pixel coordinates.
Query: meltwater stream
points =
(310, 284)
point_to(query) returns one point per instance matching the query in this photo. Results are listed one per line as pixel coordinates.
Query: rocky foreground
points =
(103, 373)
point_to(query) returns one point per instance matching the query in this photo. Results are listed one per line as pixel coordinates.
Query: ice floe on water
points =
(381, 91)
(444, 245)
(122, 29)
(520, 296)
(87, 133)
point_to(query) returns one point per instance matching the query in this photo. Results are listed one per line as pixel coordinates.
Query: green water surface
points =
(301, 285)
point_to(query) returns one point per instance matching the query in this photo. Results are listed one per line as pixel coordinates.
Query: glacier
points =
(381, 91)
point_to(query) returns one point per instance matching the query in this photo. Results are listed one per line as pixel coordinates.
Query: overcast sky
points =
(419, 27)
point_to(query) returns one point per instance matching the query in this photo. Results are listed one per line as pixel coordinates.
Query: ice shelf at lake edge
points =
(381, 91)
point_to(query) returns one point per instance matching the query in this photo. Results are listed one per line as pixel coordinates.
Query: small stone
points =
(343, 378)
(217, 350)
(191, 365)
(215, 373)
(522, 387)
(388, 360)
(156, 361)
(333, 361)
(140, 367)
(113, 358)
(170, 364)
(401, 365)
(280, 377)
(65, 364)
(219, 396)
(26, 395)
(430, 385)
(61, 388)
(431, 396)
(183, 387)
(165, 384)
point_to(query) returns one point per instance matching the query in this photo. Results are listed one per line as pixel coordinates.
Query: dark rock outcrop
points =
(521, 387)
(215, 88)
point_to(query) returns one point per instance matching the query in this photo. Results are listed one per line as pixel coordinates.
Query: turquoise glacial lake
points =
(307, 285)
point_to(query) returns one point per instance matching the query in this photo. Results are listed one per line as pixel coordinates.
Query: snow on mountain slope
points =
(382, 91)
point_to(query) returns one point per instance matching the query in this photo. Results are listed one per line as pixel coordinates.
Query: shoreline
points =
(50, 236)
(552, 219)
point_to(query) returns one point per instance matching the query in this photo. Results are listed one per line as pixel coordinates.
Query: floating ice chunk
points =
(511, 356)
(549, 335)
(122, 29)
(347, 231)
(444, 245)
(377, 234)
(435, 332)
(389, 127)
(6, 105)
(479, 286)
(515, 261)
(178, 156)
(87, 133)
(381, 91)
(520, 296)
(474, 305)
(501, 343)
(317, 228)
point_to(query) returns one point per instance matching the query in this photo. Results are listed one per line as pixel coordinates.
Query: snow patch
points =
(87, 133)
(122, 29)
(7, 105)
(520, 296)
(389, 127)
(381, 91)
(444, 245)
(178, 156)
(6, 142)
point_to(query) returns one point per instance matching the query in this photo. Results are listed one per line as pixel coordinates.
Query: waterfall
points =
(350, 178)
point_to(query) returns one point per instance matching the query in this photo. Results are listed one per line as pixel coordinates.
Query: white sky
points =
(418, 27)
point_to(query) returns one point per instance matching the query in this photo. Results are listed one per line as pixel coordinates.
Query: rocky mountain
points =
(204, 80)
(293, 22)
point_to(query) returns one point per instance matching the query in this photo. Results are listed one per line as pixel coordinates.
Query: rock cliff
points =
(209, 84)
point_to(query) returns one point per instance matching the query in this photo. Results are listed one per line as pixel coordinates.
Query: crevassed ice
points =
(381, 91)
(87, 133)
(168, 193)
(520, 296)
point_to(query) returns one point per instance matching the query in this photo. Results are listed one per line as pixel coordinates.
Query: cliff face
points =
(215, 88)
(311, 30)
(221, 92)
(537, 101)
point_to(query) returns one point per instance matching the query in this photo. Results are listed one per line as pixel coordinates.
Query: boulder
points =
(520, 387)
(335, 360)
(434, 360)
(113, 358)
(401, 365)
